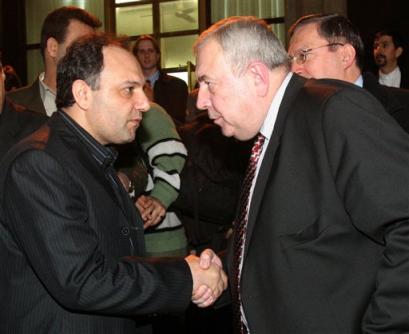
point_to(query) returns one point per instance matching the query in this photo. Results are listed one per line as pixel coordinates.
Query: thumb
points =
(206, 259)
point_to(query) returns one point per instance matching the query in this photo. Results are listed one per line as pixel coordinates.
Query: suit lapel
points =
(295, 84)
(36, 100)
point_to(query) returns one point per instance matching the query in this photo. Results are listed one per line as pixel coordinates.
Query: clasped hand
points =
(151, 209)
(209, 279)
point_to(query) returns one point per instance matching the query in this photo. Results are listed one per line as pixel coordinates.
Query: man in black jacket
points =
(72, 242)
(329, 46)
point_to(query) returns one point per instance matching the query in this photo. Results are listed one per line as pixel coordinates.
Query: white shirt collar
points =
(391, 79)
(360, 81)
(47, 96)
(269, 122)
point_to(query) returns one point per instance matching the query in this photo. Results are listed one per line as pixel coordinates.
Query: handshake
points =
(209, 279)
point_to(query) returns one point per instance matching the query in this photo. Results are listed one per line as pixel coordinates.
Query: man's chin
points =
(227, 131)
(380, 62)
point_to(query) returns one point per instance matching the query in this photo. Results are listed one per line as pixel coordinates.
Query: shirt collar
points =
(360, 81)
(105, 156)
(43, 87)
(268, 124)
(47, 96)
(391, 79)
(153, 78)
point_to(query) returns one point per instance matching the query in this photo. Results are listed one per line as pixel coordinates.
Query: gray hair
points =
(244, 39)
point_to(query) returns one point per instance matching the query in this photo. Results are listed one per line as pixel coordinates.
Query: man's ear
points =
(52, 47)
(398, 51)
(259, 77)
(82, 94)
(348, 55)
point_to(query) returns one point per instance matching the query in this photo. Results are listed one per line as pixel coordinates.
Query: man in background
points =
(329, 46)
(387, 50)
(168, 91)
(60, 28)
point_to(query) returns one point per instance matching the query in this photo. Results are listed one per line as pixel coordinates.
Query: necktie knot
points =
(257, 147)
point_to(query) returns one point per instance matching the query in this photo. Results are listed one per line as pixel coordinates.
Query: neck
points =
(388, 68)
(352, 74)
(50, 78)
(148, 72)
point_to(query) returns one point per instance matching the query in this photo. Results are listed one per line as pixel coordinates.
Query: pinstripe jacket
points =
(70, 245)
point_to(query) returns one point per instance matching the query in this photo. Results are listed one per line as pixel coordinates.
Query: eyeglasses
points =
(300, 57)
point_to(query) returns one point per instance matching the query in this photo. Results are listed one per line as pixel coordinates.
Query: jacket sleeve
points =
(46, 212)
(165, 151)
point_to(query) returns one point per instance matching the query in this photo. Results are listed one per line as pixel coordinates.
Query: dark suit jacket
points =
(171, 93)
(16, 123)
(29, 97)
(69, 245)
(404, 80)
(327, 248)
(394, 100)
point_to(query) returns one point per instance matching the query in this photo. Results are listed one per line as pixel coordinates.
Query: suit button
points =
(125, 230)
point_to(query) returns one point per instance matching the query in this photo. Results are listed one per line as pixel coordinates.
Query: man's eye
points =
(209, 84)
(129, 90)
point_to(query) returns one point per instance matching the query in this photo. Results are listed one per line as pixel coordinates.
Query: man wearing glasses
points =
(15, 122)
(329, 46)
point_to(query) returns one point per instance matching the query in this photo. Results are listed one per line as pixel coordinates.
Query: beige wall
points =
(296, 8)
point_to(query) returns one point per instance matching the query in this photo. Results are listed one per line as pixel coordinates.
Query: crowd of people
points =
(273, 198)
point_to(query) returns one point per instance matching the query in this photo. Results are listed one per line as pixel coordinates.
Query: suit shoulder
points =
(37, 141)
(401, 93)
(23, 91)
(332, 89)
(25, 113)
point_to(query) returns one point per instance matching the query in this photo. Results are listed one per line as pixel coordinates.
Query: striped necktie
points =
(241, 228)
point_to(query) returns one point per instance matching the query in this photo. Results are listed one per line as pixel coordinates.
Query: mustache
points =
(380, 56)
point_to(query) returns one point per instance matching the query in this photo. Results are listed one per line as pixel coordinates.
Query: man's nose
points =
(297, 68)
(202, 99)
(142, 102)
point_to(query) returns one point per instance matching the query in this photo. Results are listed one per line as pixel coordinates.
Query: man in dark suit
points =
(60, 28)
(15, 121)
(340, 58)
(321, 241)
(71, 240)
(168, 91)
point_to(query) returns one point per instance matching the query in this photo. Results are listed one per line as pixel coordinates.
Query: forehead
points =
(121, 63)
(209, 58)
(145, 44)
(305, 37)
(384, 38)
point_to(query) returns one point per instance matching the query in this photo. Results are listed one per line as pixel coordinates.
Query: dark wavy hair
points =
(397, 38)
(84, 60)
(334, 28)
